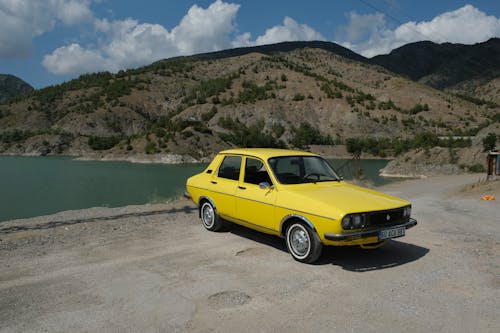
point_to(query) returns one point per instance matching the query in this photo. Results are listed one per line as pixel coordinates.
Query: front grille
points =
(385, 217)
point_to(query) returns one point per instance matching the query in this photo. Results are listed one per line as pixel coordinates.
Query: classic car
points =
(298, 196)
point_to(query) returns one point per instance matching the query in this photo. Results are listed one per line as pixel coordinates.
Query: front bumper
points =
(187, 195)
(350, 236)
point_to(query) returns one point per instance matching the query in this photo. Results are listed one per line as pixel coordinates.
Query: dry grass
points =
(483, 187)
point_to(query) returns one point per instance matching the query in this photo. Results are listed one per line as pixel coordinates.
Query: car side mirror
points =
(265, 185)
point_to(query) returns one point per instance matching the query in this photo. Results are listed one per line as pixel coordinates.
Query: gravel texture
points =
(154, 268)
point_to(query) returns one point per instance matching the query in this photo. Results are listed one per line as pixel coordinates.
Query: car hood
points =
(335, 199)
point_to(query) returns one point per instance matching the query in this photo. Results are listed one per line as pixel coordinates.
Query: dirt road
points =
(155, 269)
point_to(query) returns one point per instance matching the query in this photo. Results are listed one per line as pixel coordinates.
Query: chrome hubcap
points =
(208, 215)
(299, 240)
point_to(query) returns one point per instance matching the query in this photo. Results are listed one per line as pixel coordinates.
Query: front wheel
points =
(209, 217)
(303, 243)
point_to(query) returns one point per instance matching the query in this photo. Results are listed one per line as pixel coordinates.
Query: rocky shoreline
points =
(418, 163)
(138, 158)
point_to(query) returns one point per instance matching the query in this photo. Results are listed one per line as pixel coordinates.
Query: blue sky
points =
(50, 41)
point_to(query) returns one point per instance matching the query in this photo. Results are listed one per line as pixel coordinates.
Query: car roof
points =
(266, 153)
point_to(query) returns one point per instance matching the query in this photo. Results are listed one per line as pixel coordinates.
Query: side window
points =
(255, 172)
(230, 168)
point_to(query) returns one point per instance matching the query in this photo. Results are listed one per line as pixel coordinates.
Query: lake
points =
(33, 186)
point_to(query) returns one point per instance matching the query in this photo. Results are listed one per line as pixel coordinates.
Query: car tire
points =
(209, 217)
(303, 243)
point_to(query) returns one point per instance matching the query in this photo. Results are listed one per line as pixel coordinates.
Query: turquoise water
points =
(369, 170)
(33, 186)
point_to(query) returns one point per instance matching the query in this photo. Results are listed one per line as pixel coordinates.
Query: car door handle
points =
(213, 182)
(242, 188)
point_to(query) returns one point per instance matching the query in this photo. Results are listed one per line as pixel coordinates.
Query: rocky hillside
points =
(489, 91)
(194, 106)
(455, 67)
(11, 86)
(438, 159)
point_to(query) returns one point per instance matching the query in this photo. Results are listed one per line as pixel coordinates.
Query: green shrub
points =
(248, 136)
(327, 89)
(160, 132)
(252, 92)
(209, 88)
(418, 108)
(490, 142)
(298, 97)
(187, 134)
(210, 114)
(477, 168)
(387, 105)
(15, 136)
(201, 128)
(342, 86)
(103, 143)
(425, 140)
(354, 146)
(151, 148)
(306, 134)
(277, 130)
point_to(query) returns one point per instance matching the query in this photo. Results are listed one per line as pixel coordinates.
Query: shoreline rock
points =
(397, 175)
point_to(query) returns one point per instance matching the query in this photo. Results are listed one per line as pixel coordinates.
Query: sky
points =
(46, 42)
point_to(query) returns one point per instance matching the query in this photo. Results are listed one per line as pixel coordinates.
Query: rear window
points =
(230, 168)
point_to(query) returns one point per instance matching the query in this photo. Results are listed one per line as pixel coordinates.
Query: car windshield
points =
(302, 169)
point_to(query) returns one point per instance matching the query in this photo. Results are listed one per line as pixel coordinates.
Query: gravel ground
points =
(154, 268)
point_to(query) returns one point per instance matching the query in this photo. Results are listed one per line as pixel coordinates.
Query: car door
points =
(255, 204)
(224, 184)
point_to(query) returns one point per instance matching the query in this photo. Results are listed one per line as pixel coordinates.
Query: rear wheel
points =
(303, 243)
(209, 217)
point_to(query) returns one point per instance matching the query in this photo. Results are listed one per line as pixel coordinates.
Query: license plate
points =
(391, 233)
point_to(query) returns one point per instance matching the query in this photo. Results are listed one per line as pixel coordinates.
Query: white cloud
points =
(128, 43)
(205, 30)
(142, 44)
(74, 12)
(369, 35)
(73, 58)
(21, 20)
(289, 31)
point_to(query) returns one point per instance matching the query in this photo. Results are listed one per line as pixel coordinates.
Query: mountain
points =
(11, 86)
(284, 47)
(283, 95)
(445, 66)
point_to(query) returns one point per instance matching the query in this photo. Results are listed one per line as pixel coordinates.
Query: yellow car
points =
(296, 195)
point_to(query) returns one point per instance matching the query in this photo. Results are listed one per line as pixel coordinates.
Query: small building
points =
(493, 163)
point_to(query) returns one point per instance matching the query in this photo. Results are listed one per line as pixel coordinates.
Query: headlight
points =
(353, 221)
(346, 222)
(407, 211)
(357, 221)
